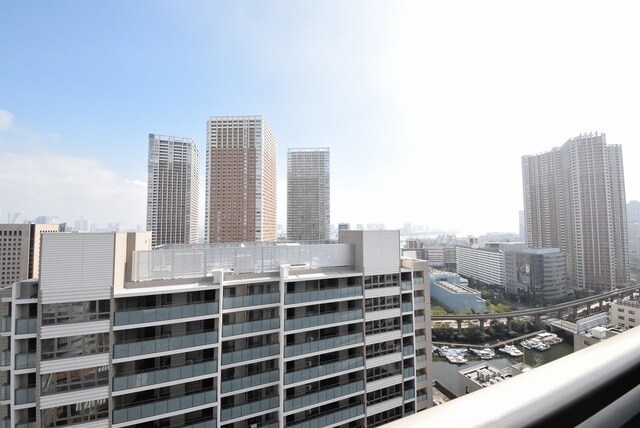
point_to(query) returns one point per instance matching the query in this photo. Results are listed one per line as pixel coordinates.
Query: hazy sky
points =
(427, 107)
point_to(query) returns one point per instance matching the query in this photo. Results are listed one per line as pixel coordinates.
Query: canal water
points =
(447, 373)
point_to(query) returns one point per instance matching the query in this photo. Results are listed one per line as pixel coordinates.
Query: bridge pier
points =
(481, 325)
(600, 303)
(575, 312)
(509, 320)
(459, 327)
(537, 320)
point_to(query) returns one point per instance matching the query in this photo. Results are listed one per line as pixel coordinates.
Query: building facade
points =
(241, 180)
(574, 199)
(172, 190)
(20, 250)
(483, 265)
(625, 313)
(114, 334)
(536, 273)
(308, 194)
(447, 290)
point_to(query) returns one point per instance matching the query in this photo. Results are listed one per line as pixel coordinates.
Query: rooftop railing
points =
(597, 386)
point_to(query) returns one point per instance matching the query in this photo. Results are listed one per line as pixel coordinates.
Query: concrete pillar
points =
(481, 325)
(575, 312)
(600, 303)
(459, 327)
(509, 320)
(537, 320)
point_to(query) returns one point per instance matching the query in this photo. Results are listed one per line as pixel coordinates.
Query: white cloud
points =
(6, 120)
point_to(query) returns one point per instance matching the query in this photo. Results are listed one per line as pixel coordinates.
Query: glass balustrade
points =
(204, 424)
(420, 318)
(323, 344)
(323, 370)
(406, 285)
(311, 398)
(26, 325)
(422, 378)
(407, 350)
(418, 299)
(250, 300)
(408, 372)
(249, 381)
(407, 307)
(5, 392)
(25, 361)
(249, 408)
(407, 328)
(154, 377)
(421, 357)
(331, 418)
(25, 395)
(250, 354)
(250, 327)
(319, 295)
(5, 327)
(141, 316)
(160, 406)
(144, 347)
(421, 338)
(26, 425)
(322, 319)
(5, 358)
(409, 394)
(418, 280)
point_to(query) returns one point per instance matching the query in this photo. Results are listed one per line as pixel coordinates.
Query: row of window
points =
(66, 313)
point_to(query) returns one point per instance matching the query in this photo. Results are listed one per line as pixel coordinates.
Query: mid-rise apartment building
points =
(625, 313)
(116, 334)
(241, 180)
(483, 265)
(20, 250)
(574, 199)
(172, 191)
(308, 194)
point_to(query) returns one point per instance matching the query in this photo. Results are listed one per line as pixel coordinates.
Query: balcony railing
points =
(154, 377)
(5, 392)
(250, 354)
(319, 295)
(407, 307)
(249, 381)
(418, 280)
(26, 325)
(5, 326)
(322, 319)
(421, 338)
(331, 418)
(250, 300)
(5, 358)
(418, 299)
(312, 398)
(407, 350)
(323, 370)
(596, 386)
(407, 328)
(144, 347)
(406, 285)
(409, 394)
(323, 344)
(250, 327)
(25, 361)
(408, 372)
(141, 316)
(25, 395)
(249, 408)
(160, 407)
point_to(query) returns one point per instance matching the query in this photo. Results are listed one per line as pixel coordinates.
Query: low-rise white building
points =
(483, 375)
(449, 291)
(625, 313)
(484, 265)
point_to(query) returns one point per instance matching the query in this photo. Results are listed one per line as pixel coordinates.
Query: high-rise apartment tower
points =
(241, 174)
(308, 194)
(574, 199)
(172, 192)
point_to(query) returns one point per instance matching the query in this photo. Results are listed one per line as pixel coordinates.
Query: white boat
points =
(484, 354)
(456, 359)
(511, 350)
(541, 346)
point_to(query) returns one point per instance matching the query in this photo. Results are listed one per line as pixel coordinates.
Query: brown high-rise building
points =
(241, 178)
(574, 199)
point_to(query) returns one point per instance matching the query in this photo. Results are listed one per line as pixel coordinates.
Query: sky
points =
(427, 106)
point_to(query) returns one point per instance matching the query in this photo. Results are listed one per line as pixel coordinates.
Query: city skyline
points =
(395, 100)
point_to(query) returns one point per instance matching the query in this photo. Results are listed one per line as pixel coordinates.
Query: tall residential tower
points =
(172, 192)
(574, 199)
(308, 194)
(241, 179)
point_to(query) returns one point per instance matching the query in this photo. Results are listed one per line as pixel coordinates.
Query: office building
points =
(116, 334)
(625, 313)
(536, 274)
(451, 292)
(241, 180)
(20, 250)
(308, 194)
(172, 191)
(485, 266)
(574, 199)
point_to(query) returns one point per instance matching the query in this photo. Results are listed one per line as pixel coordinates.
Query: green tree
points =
(443, 333)
(474, 333)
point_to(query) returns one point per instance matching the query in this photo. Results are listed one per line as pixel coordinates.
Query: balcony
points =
(419, 318)
(26, 425)
(323, 370)
(25, 395)
(145, 347)
(330, 418)
(421, 338)
(166, 313)
(407, 350)
(418, 299)
(159, 407)
(408, 372)
(5, 358)
(249, 408)
(312, 398)
(418, 280)
(5, 327)
(26, 326)
(320, 295)
(26, 361)
(249, 381)
(246, 355)
(322, 319)
(5, 392)
(407, 307)
(250, 300)
(211, 423)
(139, 380)
(407, 328)
(323, 344)
(409, 394)
(406, 285)
(250, 327)
(596, 386)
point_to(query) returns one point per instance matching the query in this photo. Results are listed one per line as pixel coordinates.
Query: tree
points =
(474, 333)
(443, 333)
(499, 328)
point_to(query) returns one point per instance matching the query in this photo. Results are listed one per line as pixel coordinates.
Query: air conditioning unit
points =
(310, 339)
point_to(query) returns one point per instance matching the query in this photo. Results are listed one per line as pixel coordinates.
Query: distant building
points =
(241, 180)
(20, 250)
(574, 199)
(172, 190)
(343, 226)
(593, 336)
(522, 234)
(486, 266)
(448, 291)
(625, 313)
(308, 194)
(484, 375)
(536, 273)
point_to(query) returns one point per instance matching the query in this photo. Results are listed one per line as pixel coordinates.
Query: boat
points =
(456, 359)
(511, 350)
(549, 338)
(541, 346)
(528, 344)
(484, 354)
